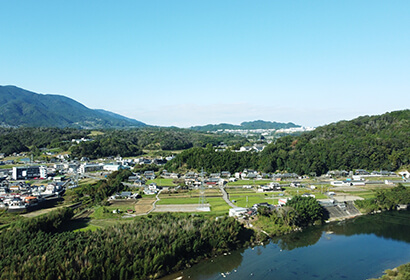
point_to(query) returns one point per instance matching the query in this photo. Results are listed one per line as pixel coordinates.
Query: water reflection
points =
(221, 265)
(360, 248)
(295, 240)
(386, 225)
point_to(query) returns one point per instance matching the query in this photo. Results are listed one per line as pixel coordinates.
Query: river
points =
(360, 248)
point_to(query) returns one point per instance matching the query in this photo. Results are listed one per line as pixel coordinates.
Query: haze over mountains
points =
(23, 108)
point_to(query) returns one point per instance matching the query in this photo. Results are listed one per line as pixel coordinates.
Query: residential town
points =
(26, 186)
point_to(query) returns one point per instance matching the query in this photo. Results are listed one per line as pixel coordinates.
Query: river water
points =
(359, 248)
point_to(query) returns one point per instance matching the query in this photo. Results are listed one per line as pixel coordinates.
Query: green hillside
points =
(19, 107)
(245, 126)
(370, 142)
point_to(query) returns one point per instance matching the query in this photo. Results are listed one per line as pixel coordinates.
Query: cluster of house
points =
(358, 172)
(19, 197)
(194, 179)
(124, 195)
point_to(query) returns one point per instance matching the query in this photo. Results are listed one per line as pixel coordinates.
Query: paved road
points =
(225, 196)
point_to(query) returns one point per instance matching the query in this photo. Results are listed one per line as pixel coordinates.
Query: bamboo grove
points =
(142, 249)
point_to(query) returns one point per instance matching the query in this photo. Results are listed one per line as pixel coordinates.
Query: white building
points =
(85, 167)
(237, 211)
(29, 172)
(43, 172)
(282, 201)
(112, 167)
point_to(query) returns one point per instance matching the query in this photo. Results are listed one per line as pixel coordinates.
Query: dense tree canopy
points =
(93, 194)
(386, 199)
(109, 142)
(308, 210)
(374, 143)
(145, 248)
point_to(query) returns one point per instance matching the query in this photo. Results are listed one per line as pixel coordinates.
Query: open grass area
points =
(187, 197)
(218, 206)
(178, 200)
(79, 225)
(104, 212)
(161, 182)
(96, 133)
(87, 181)
(212, 196)
(104, 223)
(88, 227)
(252, 198)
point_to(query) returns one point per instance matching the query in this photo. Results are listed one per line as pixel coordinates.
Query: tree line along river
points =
(360, 248)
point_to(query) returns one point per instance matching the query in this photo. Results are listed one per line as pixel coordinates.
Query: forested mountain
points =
(19, 107)
(245, 126)
(371, 142)
(108, 142)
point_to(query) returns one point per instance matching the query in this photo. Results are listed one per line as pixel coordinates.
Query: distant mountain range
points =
(245, 126)
(23, 108)
(19, 107)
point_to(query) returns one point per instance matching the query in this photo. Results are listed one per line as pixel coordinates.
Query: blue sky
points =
(183, 63)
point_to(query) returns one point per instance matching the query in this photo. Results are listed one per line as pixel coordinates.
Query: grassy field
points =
(104, 223)
(161, 182)
(218, 206)
(187, 197)
(101, 212)
(95, 133)
(87, 181)
(212, 196)
(241, 195)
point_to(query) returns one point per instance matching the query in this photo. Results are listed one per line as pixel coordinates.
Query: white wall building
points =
(237, 211)
(90, 167)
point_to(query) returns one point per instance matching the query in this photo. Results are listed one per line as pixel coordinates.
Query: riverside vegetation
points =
(386, 199)
(298, 213)
(400, 273)
(148, 247)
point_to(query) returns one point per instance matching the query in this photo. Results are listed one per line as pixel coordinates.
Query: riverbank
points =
(366, 246)
(399, 273)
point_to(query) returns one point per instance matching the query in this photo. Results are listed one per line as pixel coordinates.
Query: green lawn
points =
(218, 206)
(271, 198)
(106, 212)
(161, 182)
(212, 196)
